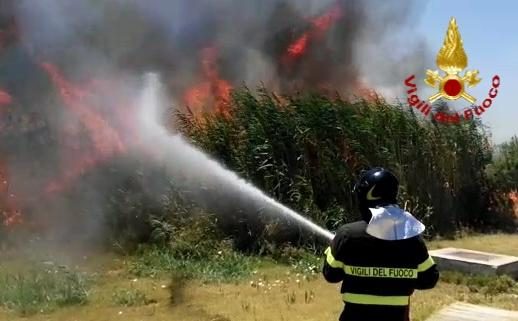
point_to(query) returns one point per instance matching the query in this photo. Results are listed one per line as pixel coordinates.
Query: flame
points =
(5, 98)
(319, 26)
(514, 199)
(10, 212)
(325, 21)
(12, 217)
(212, 91)
(106, 141)
(298, 48)
(363, 90)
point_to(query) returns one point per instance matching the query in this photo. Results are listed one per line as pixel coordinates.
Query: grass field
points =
(270, 292)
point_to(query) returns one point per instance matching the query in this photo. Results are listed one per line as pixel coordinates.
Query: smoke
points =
(389, 49)
(371, 39)
(102, 47)
(212, 183)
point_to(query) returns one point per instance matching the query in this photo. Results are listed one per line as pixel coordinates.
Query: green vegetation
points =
(229, 265)
(42, 289)
(307, 150)
(504, 169)
(293, 290)
(194, 249)
(487, 285)
(131, 297)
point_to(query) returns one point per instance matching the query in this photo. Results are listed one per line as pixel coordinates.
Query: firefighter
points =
(382, 258)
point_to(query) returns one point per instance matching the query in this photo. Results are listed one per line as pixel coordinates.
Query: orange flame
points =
(362, 90)
(5, 98)
(325, 21)
(10, 210)
(10, 213)
(105, 139)
(514, 198)
(298, 48)
(319, 26)
(12, 217)
(212, 91)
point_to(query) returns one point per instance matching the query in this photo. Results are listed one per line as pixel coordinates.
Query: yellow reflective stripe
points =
(375, 299)
(330, 259)
(381, 272)
(428, 263)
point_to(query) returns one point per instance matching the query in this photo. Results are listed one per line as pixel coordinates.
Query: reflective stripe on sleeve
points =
(428, 263)
(330, 259)
(375, 299)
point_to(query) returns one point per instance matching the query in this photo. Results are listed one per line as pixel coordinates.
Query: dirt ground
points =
(271, 294)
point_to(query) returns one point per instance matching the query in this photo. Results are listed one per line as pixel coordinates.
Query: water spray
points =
(194, 169)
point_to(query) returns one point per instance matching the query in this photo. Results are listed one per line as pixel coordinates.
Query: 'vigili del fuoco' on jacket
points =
(382, 259)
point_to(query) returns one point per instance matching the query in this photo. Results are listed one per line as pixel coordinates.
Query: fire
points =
(298, 48)
(361, 89)
(325, 21)
(5, 98)
(514, 199)
(12, 217)
(113, 135)
(106, 140)
(10, 212)
(212, 91)
(319, 26)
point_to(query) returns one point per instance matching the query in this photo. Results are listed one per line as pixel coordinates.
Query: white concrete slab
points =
(460, 311)
(475, 262)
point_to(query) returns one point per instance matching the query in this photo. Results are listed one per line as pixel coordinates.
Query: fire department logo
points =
(451, 81)
(452, 59)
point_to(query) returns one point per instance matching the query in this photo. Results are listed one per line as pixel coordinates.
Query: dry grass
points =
(273, 295)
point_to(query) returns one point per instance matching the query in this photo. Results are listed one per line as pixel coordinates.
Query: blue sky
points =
(489, 30)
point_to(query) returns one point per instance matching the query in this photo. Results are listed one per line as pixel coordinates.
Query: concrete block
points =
(460, 311)
(475, 262)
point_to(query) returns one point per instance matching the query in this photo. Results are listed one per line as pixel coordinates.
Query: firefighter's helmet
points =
(376, 187)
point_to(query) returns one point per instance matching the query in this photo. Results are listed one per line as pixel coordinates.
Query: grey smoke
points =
(214, 184)
(251, 35)
(122, 39)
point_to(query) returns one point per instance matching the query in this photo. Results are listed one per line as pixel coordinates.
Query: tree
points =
(504, 169)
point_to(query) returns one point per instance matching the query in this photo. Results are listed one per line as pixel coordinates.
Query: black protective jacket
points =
(378, 276)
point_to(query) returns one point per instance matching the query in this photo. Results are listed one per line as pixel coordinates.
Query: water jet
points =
(195, 170)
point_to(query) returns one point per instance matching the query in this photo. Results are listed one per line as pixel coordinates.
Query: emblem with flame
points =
(452, 60)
